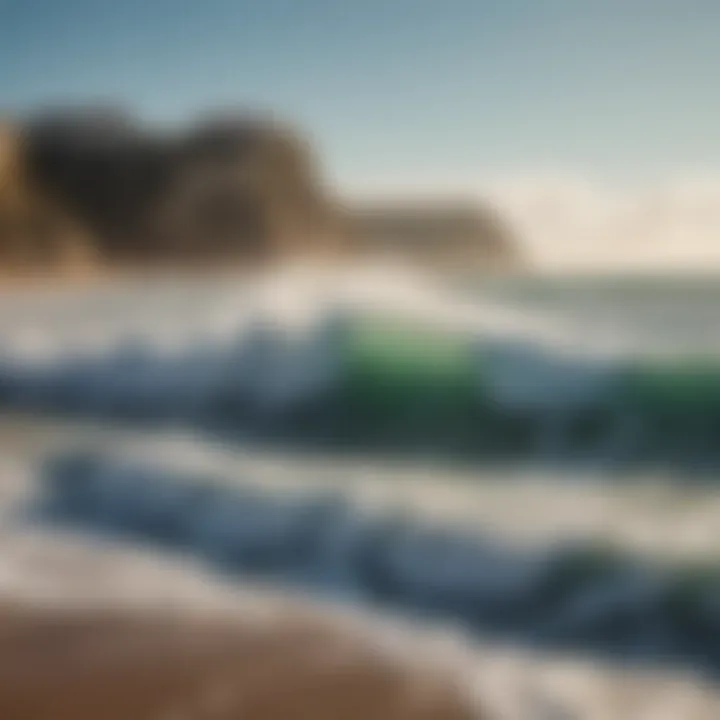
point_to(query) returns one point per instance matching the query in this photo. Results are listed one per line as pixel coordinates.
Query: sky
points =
(399, 90)
(552, 106)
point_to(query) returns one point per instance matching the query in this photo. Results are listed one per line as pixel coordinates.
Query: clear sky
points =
(396, 90)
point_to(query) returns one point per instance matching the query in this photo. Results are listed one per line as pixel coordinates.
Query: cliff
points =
(230, 188)
(36, 231)
(94, 186)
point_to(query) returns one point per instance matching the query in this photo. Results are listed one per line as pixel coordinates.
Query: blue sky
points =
(396, 90)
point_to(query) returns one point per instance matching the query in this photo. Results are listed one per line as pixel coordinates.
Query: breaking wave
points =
(399, 365)
(585, 597)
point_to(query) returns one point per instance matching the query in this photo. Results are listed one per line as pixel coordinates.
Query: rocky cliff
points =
(36, 231)
(94, 185)
(229, 188)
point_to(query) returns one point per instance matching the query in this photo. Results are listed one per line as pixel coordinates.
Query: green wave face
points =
(430, 383)
(404, 379)
(692, 384)
(398, 355)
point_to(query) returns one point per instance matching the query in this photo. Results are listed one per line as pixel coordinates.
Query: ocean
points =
(575, 526)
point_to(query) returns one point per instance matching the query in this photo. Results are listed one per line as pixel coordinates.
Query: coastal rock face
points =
(94, 183)
(35, 231)
(227, 188)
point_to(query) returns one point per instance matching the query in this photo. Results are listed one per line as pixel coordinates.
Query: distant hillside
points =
(447, 234)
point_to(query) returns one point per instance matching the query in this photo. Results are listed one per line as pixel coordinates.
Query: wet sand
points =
(114, 665)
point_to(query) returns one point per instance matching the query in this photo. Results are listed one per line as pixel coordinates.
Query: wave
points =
(582, 596)
(372, 380)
